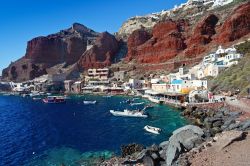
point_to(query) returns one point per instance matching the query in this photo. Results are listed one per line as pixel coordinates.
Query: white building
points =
(183, 74)
(160, 87)
(194, 84)
(155, 80)
(175, 86)
(17, 87)
(218, 3)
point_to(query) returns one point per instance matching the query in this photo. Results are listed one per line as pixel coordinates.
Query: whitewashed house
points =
(160, 87)
(194, 84)
(218, 3)
(175, 86)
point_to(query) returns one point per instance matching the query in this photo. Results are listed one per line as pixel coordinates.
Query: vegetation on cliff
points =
(237, 76)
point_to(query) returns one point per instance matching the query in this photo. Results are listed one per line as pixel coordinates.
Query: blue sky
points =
(22, 20)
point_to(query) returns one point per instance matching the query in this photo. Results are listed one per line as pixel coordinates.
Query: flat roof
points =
(174, 94)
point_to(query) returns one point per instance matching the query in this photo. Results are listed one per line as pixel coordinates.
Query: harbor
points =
(75, 127)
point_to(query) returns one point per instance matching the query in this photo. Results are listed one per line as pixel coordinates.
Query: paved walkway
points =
(235, 154)
(232, 101)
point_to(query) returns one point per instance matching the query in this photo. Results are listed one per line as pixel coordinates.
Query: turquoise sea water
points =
(34, 133)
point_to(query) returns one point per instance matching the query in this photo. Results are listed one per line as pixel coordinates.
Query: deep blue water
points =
(34, 133)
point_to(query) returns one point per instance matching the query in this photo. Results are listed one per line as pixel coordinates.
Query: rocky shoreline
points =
(210, 127)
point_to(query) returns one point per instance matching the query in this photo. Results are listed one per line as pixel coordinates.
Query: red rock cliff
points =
(101, 54)
(137, 38)
(236, 26)
(201, 35)
(177, 38)
(166, 42)
(66, 46)
(54, 50)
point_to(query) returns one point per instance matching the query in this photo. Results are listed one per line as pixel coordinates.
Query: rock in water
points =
(130, 149)
(148, 161)
(183, 139)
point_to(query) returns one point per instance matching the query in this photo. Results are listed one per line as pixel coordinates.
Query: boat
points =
(54, 99)
(37, 98)
(136, 98)
(6, 94)
(133, 104)
(108, 96)
(128, 113)
(128, 101)
(152, 129)
(154, 100)
(89, 102)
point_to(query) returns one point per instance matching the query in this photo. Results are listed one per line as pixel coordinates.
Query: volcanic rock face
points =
(67, 46)
(101, 54)
(201, 35)
(237, 25)
(166, 41)
(173, 38)
(137, 38)
(54, 50)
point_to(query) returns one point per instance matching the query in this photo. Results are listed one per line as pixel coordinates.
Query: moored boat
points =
(154, 100)
(54, 99)
(133, 104)
(128, 113)
(108, 96)
(152, 129)
(36, 98)
(137, 98)
(89, 102)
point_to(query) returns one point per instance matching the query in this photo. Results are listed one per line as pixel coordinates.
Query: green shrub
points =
(237, 76)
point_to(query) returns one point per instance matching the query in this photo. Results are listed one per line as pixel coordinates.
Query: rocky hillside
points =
(183, 38)
(157, 42)
(235, 77)
(69, 50)
(101, 54)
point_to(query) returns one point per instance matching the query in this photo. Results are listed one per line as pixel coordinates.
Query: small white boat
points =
(152, 129)
(154, 100)
(37, 98)
(137, 98)
(133, 104)
(128, 113)
(108, 96)
(89, 102)
(6, 94)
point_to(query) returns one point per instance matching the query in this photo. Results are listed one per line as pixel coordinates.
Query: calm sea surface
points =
(34, 133)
